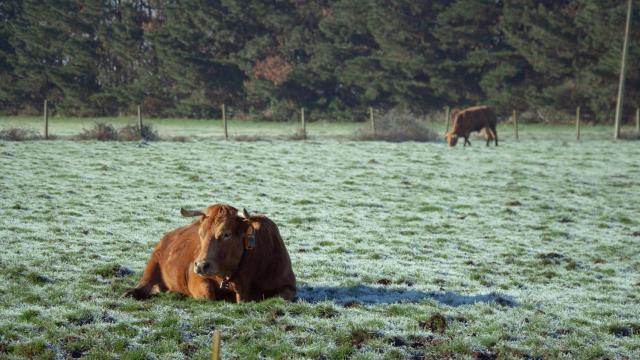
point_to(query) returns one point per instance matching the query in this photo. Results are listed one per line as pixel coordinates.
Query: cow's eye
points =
(226, 236)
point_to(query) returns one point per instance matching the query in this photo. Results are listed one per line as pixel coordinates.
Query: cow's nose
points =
(202, 267)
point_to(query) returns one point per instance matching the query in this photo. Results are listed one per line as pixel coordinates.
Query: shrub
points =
(16, 134)
(106, 132)
(298, 135)
(398, 125)
(149, 133)
(100, 132)
(179, 138)
(132, 133)
(630, 135)
(249, 138)
(129, 133)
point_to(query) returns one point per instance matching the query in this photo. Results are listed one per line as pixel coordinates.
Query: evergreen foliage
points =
(333, 57)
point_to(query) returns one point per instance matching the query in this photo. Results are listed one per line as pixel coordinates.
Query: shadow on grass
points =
(368, 295)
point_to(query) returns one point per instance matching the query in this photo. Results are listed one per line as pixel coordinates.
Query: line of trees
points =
(333, 57)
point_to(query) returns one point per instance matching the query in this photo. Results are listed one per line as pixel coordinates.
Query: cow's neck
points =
(227, 280)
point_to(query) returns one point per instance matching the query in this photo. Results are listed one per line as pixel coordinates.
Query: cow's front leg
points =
(150, 283)
(466, 141)
(242, 297)
(242, 294)
(202, 288)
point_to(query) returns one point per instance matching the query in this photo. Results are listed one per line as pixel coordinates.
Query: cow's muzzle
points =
(202, 267)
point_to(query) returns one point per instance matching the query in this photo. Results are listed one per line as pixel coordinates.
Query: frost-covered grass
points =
(530, 249)
(63, 127)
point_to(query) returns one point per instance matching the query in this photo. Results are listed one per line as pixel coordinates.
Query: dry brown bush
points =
(132, 133)
(17, 134)
(398, 125)
(298, 135)
(249, 138)
(179, 138)
(630, 136)
(100, 132)
(107, 132)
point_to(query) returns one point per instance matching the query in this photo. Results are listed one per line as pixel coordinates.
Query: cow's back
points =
(474, 119)
(180, 240)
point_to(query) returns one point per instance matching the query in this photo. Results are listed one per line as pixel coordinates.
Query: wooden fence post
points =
(304, 124)
(46, 120)
(638, 119)
(578, 123)
(623, 70)
(373, 123)
(140, 121)
(215, 351)
(447, 116)
(224, 122)
(515, 124)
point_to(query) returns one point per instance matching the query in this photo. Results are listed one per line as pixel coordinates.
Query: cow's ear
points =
(255, 225)
(191, 213)
(250, 235)
(244, 215)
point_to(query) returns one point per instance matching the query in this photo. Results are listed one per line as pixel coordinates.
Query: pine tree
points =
(382, 53)
(9, 97)
(570, 56)
(333, 57)
(55, 48)
(195, 42)
(128, 71)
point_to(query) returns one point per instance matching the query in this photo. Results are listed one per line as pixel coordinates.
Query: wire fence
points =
(579, 126)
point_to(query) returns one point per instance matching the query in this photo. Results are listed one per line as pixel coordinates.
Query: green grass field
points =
(529, 250)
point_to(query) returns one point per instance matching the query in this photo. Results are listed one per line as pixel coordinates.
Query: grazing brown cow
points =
(223, 255)
(473, 119)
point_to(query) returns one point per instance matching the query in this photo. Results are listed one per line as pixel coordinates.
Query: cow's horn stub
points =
(245, 214)
(190, 213)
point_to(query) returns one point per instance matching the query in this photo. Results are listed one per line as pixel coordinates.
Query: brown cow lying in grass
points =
(473, 119)
(223, 255)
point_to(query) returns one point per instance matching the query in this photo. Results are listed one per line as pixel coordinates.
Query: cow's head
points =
(224, 236)
(452, 139)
